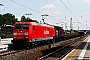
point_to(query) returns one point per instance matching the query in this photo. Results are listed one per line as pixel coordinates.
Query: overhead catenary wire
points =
(83, 10)
(30, 8)
(65, 16)
(71, 6)
(34, 3)
(78, 11)
(25, 6)
(69, 10)
(43, 9)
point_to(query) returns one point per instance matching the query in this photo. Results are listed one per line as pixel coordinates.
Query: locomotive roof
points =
(35, 23)
(39, 24)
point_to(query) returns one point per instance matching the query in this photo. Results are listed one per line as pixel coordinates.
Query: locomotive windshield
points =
(21, 27)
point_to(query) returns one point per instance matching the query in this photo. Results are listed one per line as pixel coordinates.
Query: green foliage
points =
(23, 19)
(7, 18)
(6, 32)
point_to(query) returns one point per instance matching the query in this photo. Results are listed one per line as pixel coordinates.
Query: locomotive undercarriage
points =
(20, 43)
(26, 44)
(37, 43)
(40, 43)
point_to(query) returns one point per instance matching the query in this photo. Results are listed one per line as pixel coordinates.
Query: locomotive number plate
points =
(20, 33)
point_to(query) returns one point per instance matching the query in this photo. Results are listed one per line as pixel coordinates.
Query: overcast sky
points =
(58, 10)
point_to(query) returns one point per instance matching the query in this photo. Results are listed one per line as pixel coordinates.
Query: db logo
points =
(46, 32)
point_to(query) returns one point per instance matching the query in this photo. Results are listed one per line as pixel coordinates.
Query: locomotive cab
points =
(20, 33)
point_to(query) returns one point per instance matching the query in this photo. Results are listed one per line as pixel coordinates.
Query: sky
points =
(59, 12)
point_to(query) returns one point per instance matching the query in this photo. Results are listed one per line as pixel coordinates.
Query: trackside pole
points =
(0, 35)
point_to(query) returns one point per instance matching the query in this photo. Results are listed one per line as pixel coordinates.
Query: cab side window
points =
(34, 27)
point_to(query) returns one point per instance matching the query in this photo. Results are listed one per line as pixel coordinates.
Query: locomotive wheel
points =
(38, 43)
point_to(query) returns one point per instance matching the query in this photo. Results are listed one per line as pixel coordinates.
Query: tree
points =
(8, 18)
(23, 18)
(1, 18)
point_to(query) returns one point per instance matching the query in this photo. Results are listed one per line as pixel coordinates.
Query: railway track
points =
(61, 52)
(7, 54)
(35, 53)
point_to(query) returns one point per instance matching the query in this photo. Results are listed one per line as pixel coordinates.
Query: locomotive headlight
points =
(15, 37)
(14, 33)
(26, 37)
(26, 33)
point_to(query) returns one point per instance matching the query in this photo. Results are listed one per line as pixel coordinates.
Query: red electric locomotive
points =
(27, 33)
